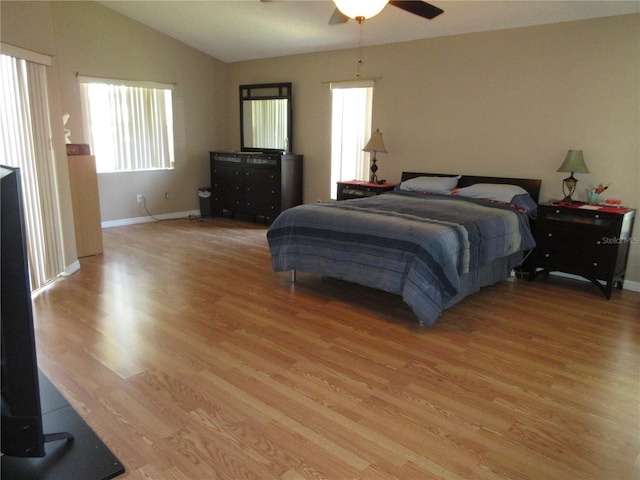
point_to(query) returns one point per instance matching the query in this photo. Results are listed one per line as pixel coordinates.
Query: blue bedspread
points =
(413, 245)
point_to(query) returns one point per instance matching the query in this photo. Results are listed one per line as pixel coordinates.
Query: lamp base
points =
(373, 178)
(568, 187)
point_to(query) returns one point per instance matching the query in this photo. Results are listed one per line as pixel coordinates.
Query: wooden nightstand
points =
(359, 189)
(592, 243)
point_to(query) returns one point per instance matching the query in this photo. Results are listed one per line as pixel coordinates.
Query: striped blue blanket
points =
(413, 245)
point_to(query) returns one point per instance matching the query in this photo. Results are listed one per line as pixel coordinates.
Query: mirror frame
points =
(254, 93)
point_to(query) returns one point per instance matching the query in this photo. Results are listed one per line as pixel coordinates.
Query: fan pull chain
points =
(359, 62)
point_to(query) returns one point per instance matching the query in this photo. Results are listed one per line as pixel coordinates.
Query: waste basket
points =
(205, 201)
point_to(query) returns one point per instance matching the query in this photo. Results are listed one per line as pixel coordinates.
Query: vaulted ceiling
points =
(249, 29)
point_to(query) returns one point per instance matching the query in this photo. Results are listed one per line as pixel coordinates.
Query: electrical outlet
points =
(139, 198)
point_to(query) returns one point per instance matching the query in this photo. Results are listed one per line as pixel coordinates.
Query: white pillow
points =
(430, 184)
(492, 191)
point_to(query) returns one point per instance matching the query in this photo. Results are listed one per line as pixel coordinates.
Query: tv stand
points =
(83, 455)
(54, 437)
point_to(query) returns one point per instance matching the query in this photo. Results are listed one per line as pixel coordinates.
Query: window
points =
(130, 125)
(25, 142)
(350, 127)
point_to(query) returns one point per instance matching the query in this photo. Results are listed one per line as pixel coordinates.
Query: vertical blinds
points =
(25, 134)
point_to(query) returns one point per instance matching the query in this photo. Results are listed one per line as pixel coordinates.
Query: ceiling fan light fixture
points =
(360, 9)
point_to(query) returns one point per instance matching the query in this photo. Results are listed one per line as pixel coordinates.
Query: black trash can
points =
(205, 201)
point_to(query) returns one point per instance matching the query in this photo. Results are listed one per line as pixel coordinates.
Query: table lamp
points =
(574, 163)
(374, 145)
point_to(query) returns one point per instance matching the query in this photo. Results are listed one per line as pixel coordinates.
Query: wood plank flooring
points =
(192, 359)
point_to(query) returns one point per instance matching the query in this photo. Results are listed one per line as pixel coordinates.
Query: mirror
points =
(265, 117)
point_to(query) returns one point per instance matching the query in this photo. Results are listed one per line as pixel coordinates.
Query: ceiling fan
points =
(346, 10)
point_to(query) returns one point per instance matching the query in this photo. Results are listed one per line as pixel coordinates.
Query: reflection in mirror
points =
(266, 124)
(265, 117)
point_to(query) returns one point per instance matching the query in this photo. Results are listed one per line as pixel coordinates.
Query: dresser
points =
(359, 189)
(256, 184)
(592, 242)
(85, 201)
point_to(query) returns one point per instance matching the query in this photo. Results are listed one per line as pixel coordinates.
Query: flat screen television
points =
(22, 434)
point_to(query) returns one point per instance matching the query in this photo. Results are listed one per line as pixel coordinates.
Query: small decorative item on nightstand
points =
(585, 240)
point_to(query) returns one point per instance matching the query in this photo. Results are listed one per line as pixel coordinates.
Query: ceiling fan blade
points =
(338, 17)
(420, 8)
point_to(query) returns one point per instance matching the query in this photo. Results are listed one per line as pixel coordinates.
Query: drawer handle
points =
(546, 255)
(597, 216)
(549, 234)
(595, 264)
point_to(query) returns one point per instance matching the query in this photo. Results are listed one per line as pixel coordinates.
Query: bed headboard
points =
(529, 184)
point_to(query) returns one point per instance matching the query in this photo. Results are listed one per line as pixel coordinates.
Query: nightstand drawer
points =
(577, 236)
(580, 217)
(355, 189)
(597, 263)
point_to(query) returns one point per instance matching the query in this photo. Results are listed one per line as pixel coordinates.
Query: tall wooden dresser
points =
(257, 184)
(85, 200)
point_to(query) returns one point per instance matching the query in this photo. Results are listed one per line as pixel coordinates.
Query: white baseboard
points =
(627, 285)
(147, 219)
(71, 269)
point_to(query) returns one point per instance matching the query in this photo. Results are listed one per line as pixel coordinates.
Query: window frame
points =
(140, 123)
(347, 157)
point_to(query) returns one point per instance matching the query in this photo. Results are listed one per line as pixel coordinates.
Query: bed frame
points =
(532, 186)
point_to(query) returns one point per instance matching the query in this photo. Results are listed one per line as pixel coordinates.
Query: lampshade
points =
(375, 143)
(574, 162)
(360, 9)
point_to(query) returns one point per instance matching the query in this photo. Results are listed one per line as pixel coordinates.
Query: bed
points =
(434, 240)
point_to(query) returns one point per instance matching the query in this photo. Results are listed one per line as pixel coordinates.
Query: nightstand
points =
(592, 242)
(359, 189)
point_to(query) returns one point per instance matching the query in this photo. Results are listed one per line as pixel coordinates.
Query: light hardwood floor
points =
(191, 359)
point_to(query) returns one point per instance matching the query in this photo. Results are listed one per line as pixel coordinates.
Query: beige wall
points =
(95, 41)
(499, 103)
(506, 103)
(88, 38)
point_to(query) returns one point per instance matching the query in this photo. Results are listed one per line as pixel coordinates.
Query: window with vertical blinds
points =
(25, 135)
(130, 124)
(350, 126)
